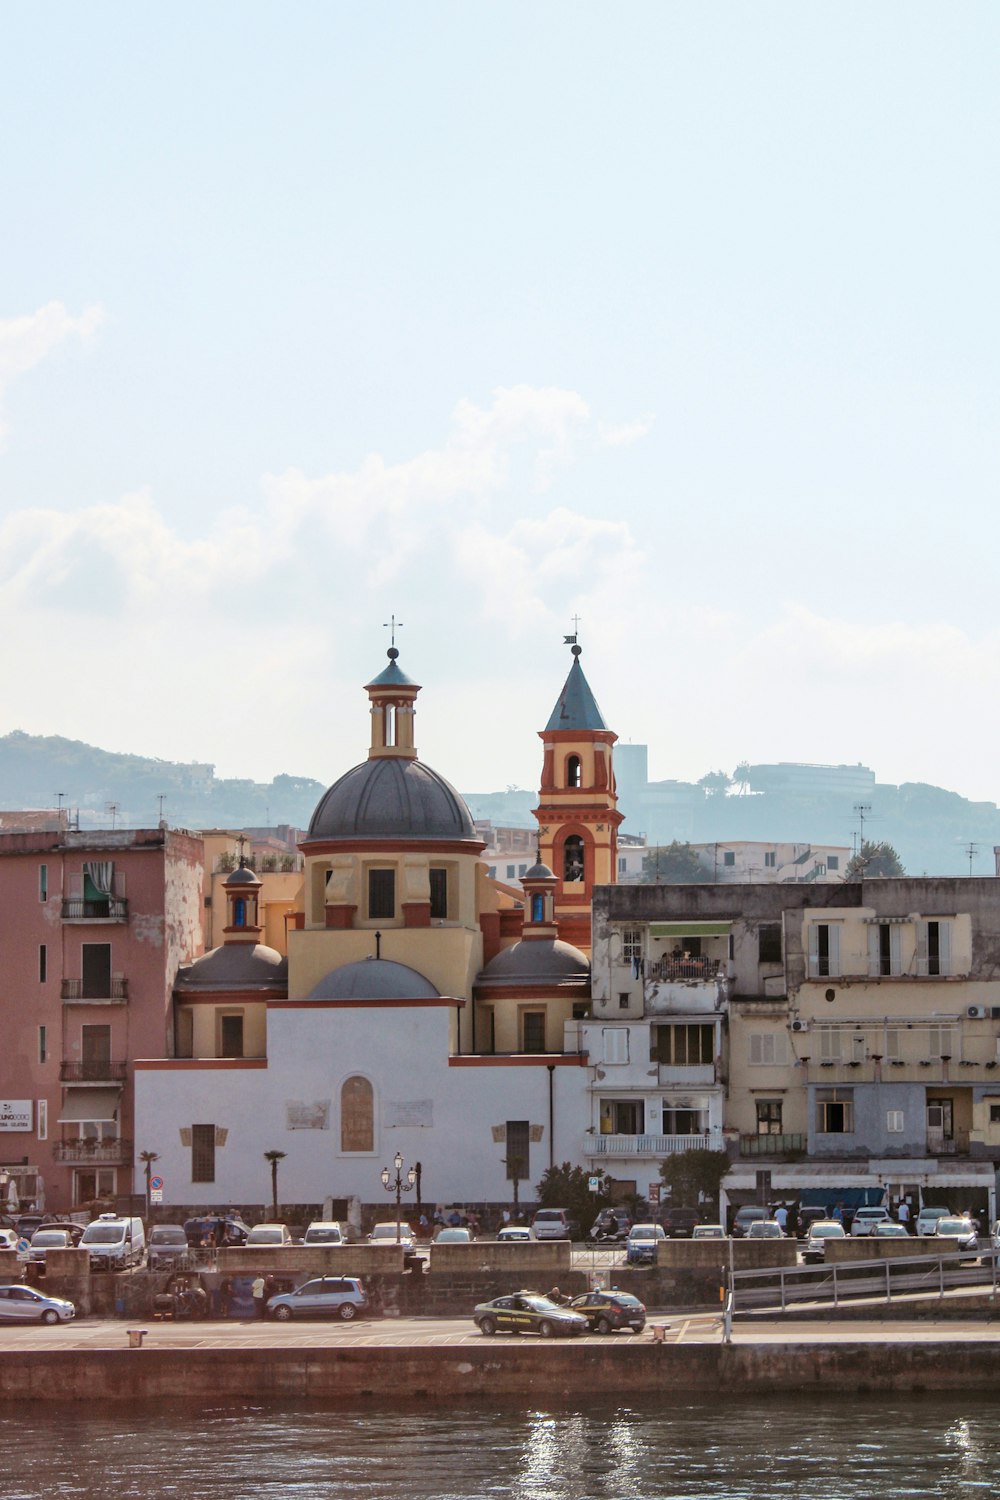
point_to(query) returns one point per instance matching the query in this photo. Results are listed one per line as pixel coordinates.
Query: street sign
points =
(594, 1184)
(653, 1196)
(22, 1246)
(155, 1194)
(156, 1184)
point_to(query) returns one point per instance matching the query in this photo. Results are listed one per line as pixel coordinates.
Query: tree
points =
(515, 1167)
(874, 862)
(715, 783)
(568, 1187)
(690, 1174)
(274, 1157)
(677, 864)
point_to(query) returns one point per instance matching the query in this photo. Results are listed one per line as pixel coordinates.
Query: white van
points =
(114, 1243)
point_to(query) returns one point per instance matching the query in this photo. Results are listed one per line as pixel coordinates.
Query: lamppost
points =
(397, 1185)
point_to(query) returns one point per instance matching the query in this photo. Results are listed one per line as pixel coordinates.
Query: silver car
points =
(22, 1304)
(325, 1297)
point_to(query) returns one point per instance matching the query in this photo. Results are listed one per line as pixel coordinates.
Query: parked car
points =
(765, 1229)
(216, 1229)
(819, 1232)
(809, 1216)
(610, 1224)
(518, 1233)
(708, 1232)
(928, 1216)
(9, 1239)
(325, 1297)
(866, 1218)
(678, 1222)
(995, 1235)
(888, 1229)
(28, 1223)
(528, 1312)
(386, 1234)
(45, 1239)
(269, 1234)
(607, 1311)
(961, 1230)
(640, 1247)
(324, 1232)
(554, 1224)
(22, 1304)
(745, 1216)
(167, 1244)
(454, 1234)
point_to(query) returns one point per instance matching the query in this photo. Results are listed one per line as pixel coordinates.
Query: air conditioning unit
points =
(976, 1012)
(800, 1025)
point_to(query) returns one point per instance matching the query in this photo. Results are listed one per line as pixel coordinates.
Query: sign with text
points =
(15, 1114)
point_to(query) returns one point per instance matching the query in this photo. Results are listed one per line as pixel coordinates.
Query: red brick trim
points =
(194, 1064)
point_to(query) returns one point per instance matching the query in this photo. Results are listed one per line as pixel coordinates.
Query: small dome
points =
(374, 979)
(235, 966)
(242, 876)
(391, 797)
(539, 871)
(537, 961)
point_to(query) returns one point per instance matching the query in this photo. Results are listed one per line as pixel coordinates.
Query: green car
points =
(528, 1312)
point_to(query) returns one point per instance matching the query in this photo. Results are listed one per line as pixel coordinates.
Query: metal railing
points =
(685, 968)
(772, 1145)
(111, 909)
(86, 991)
(650, 1145)
(99, 1071)
(84, 1152)
(851, 1280)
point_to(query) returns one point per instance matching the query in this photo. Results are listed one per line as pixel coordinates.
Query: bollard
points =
(136, 1336)
(659, 1332)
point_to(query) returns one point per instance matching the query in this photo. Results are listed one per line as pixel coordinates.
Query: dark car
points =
(528, 1312)
(679, 1221)
(28, 1223)
(167, 1244)
(607, 1311)
(216, 1229)
(323, 1297)
(611, 1224)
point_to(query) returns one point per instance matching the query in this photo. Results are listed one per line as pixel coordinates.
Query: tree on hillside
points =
(873, 861)
(676, 864)
(689, 1174)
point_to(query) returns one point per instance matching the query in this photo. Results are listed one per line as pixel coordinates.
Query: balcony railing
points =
(111, 909)
(650, 1145)
(772, 1145)
(93, 1072)
(685, 968)
(112, 991)
(83, 1152)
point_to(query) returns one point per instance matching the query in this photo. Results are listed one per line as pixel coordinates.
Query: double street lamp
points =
(398, 1185)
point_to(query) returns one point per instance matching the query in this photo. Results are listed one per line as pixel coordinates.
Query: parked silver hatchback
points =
(325, 1297)
(22, 1304)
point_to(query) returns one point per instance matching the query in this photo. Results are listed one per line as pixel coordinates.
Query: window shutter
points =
(814, 948)
(874, 955)
(895, 950)
(944, 947)
(834, 942)
(921, 947)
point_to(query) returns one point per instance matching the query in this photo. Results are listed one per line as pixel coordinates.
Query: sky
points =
(679, 319)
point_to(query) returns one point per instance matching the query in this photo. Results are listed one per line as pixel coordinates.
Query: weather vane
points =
(570, 640)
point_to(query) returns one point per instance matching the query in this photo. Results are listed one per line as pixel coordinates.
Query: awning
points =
(90, 1104)
(689, 929)
(847, 1197)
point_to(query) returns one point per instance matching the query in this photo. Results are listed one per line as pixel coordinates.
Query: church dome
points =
(374, 979)
(235, 966)
(391, 798)
(547, 961)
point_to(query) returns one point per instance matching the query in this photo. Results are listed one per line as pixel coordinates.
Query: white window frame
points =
(765, 1049)
(895, 1121)
(615, 1044)
(941, 965)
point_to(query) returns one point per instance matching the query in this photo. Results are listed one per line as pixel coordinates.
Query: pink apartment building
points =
(93, 927)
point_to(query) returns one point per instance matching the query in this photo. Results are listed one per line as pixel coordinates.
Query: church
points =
(421, 1010)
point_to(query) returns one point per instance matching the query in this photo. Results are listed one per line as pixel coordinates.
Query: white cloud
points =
(26, 341)
(625, 434)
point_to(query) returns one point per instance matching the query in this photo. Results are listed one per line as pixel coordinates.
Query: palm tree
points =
(147, 1158)
(274, 1157)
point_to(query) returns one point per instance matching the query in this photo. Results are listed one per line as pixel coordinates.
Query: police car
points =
(528, 1312)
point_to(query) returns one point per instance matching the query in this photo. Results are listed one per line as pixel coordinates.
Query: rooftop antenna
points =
(59, 801)
(860, 809)
(970, 851)
(161, 797)
(114, 809)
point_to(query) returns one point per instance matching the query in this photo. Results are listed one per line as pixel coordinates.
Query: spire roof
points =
(576, 707)
(392, 675)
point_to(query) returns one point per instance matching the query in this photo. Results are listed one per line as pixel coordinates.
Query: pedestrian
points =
(257, 1293)
(557, 1297)
(903, 1214)
(781, 1216)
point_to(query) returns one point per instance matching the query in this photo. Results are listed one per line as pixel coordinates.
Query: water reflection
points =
(740, 1450)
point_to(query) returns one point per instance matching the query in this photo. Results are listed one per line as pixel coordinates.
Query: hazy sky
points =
(681, 317)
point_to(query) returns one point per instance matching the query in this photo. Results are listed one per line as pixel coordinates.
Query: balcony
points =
(113, 991)
(773, 1145)
(85, 1153)
(690, 1076)
(936, 1072)
(93, 1071)
(655, 1146)
(111, 909)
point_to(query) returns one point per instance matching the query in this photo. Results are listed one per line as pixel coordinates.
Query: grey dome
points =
(539, 871)
(374, 979)
(391, 797)
(242, 876)
(537, 961)
(235, 966)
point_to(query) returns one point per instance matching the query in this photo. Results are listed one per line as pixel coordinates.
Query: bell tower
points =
(577, 812)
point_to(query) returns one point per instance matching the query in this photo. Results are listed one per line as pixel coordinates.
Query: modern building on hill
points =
(753, 862)
(93, 927)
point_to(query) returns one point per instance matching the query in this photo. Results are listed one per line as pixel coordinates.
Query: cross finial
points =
(392, 625)
(242, 843)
